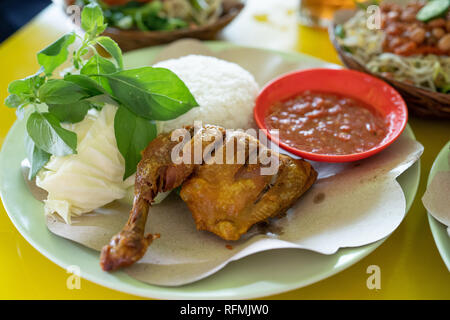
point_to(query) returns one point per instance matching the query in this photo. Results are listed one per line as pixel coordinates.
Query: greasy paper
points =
(350, 205)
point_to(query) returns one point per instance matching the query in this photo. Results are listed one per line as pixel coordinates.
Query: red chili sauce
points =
(326, 123)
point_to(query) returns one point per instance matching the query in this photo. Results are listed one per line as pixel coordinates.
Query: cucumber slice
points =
(433, 9)
(339, 31)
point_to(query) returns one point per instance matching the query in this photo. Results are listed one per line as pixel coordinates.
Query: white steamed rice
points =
(225, 92)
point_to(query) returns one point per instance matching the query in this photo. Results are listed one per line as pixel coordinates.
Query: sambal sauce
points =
(326, 123)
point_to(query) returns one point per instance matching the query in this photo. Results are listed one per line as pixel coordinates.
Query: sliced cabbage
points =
(82, 182)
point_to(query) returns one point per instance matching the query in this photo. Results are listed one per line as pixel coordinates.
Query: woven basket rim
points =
(233, 8)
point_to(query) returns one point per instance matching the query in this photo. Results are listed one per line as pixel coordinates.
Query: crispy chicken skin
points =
(226, 204)
(225, 196)
(228, 199)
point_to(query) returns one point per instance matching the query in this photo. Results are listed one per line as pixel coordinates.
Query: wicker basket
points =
(422, 102)
(135, 39)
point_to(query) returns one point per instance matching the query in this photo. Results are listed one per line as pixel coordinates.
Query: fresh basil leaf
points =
(55, 54)
(112, 48)
(46, 132)
(38, 158)
(98, 65)
(58, 91)
(21, 86)
(70, 112)
(13, 101)
(23, 91)
(27, 86)
(133, 134)
(90, 86)
(92, 19)
(151, 93)
(76, 62)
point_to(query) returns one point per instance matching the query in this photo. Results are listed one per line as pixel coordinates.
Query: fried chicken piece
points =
(155, 173)
(227, 199)
(225, 190)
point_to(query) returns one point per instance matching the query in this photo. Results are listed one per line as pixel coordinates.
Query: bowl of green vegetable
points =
(136, 24)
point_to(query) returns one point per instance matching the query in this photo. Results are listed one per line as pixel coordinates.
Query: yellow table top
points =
(411, 267)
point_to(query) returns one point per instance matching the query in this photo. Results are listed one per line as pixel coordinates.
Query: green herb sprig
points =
(149, 16)
(142, 95)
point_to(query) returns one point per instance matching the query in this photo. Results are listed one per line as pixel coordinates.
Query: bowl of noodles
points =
(410, 50)
(135, 24)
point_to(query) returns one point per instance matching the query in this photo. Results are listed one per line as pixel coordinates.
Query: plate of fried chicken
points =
(214, 228)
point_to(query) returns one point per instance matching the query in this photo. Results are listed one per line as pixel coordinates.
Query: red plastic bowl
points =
(350, 83)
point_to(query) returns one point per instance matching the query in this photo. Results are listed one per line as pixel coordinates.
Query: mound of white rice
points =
(225, 92)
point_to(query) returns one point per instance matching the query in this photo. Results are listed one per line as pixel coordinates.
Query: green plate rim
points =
(438, 229)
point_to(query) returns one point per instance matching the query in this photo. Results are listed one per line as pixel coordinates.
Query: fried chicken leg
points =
(155, 173)
(225, 196)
